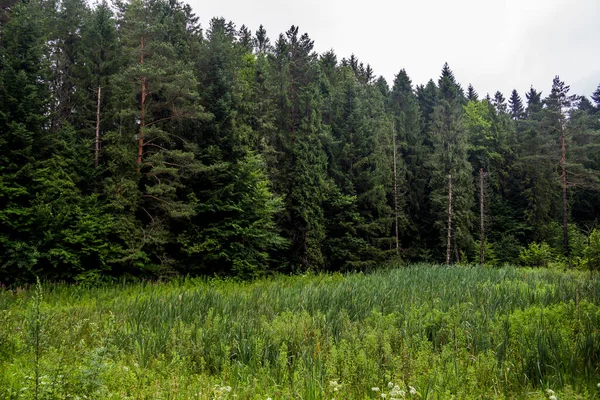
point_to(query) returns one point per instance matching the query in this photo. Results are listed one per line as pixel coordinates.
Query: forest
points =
(136, 143)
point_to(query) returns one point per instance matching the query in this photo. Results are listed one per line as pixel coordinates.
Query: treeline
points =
(132, 142)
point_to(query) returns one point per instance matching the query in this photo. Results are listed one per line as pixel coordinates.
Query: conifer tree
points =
(515, 104)
(24, 101)
(156, 94)
(299, 141)
(233, 226)
(499, 102)
(414, 157)
(596, 97)
(427, 97)
(471, 93)
(449, 163)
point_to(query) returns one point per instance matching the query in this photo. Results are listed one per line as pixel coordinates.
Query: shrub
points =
(592, 251)
(536, 255)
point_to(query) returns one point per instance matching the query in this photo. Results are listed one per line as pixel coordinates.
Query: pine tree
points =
(557, 103)
(157, 95)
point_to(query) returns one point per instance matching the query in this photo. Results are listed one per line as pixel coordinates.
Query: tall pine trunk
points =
(449, 239)
(563, 163)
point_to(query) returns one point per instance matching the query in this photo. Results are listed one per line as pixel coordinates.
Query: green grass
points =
(446, 332)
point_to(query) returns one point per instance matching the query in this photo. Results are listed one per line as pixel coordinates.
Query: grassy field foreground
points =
(425, 332)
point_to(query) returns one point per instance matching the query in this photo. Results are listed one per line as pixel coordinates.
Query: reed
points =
(429, 331)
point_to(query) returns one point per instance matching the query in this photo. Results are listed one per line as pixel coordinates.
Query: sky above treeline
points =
(492, 44)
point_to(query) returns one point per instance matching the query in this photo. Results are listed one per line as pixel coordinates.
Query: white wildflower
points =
(550, 392)
(375, 389)
(391, 385)
(412, 390)
(383, 395)
(268, 398)
(552, 397)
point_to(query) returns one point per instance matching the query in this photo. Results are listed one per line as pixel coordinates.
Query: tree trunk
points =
(97, 148)
(563, 163)
(449, 241)
(482, 214)
(395, 191)
(142, 114)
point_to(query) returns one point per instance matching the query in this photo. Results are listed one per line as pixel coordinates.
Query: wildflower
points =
(391, 385)
(375, 389)
(550, 392)
(412, 390)
(334, 385)
(552, 397)
(383, 395)
(268, 398)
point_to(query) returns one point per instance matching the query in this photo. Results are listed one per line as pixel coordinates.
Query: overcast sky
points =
(492, 44)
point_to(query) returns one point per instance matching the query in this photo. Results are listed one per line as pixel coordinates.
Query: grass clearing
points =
(433, 332)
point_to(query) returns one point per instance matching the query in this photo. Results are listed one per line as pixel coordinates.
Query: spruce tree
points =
(24, 101)
(427, 97)
(515, 104)
(449, 164)
(499, 102)
(299, 143)
(413, 160)
(233, 227)
(471, 93)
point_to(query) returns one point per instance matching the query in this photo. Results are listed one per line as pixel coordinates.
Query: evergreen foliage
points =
(135, 143)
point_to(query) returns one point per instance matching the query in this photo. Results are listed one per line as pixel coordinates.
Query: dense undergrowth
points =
(427, 332)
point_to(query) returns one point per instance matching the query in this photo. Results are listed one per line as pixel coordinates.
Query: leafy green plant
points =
(592, 251)
(536, 255)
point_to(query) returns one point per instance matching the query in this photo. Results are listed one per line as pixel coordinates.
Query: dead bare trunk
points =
(449, 242)
(142, 114)
(97, 148)
(482, 214)
(395, 191)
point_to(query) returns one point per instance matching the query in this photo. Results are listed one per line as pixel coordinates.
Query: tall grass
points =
(446, 332)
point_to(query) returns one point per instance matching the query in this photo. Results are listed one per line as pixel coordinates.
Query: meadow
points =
(420, 332)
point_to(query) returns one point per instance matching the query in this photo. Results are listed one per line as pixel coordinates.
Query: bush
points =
(592, 251)
(536, 255)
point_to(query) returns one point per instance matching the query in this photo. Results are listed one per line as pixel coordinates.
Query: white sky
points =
(493, 44)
